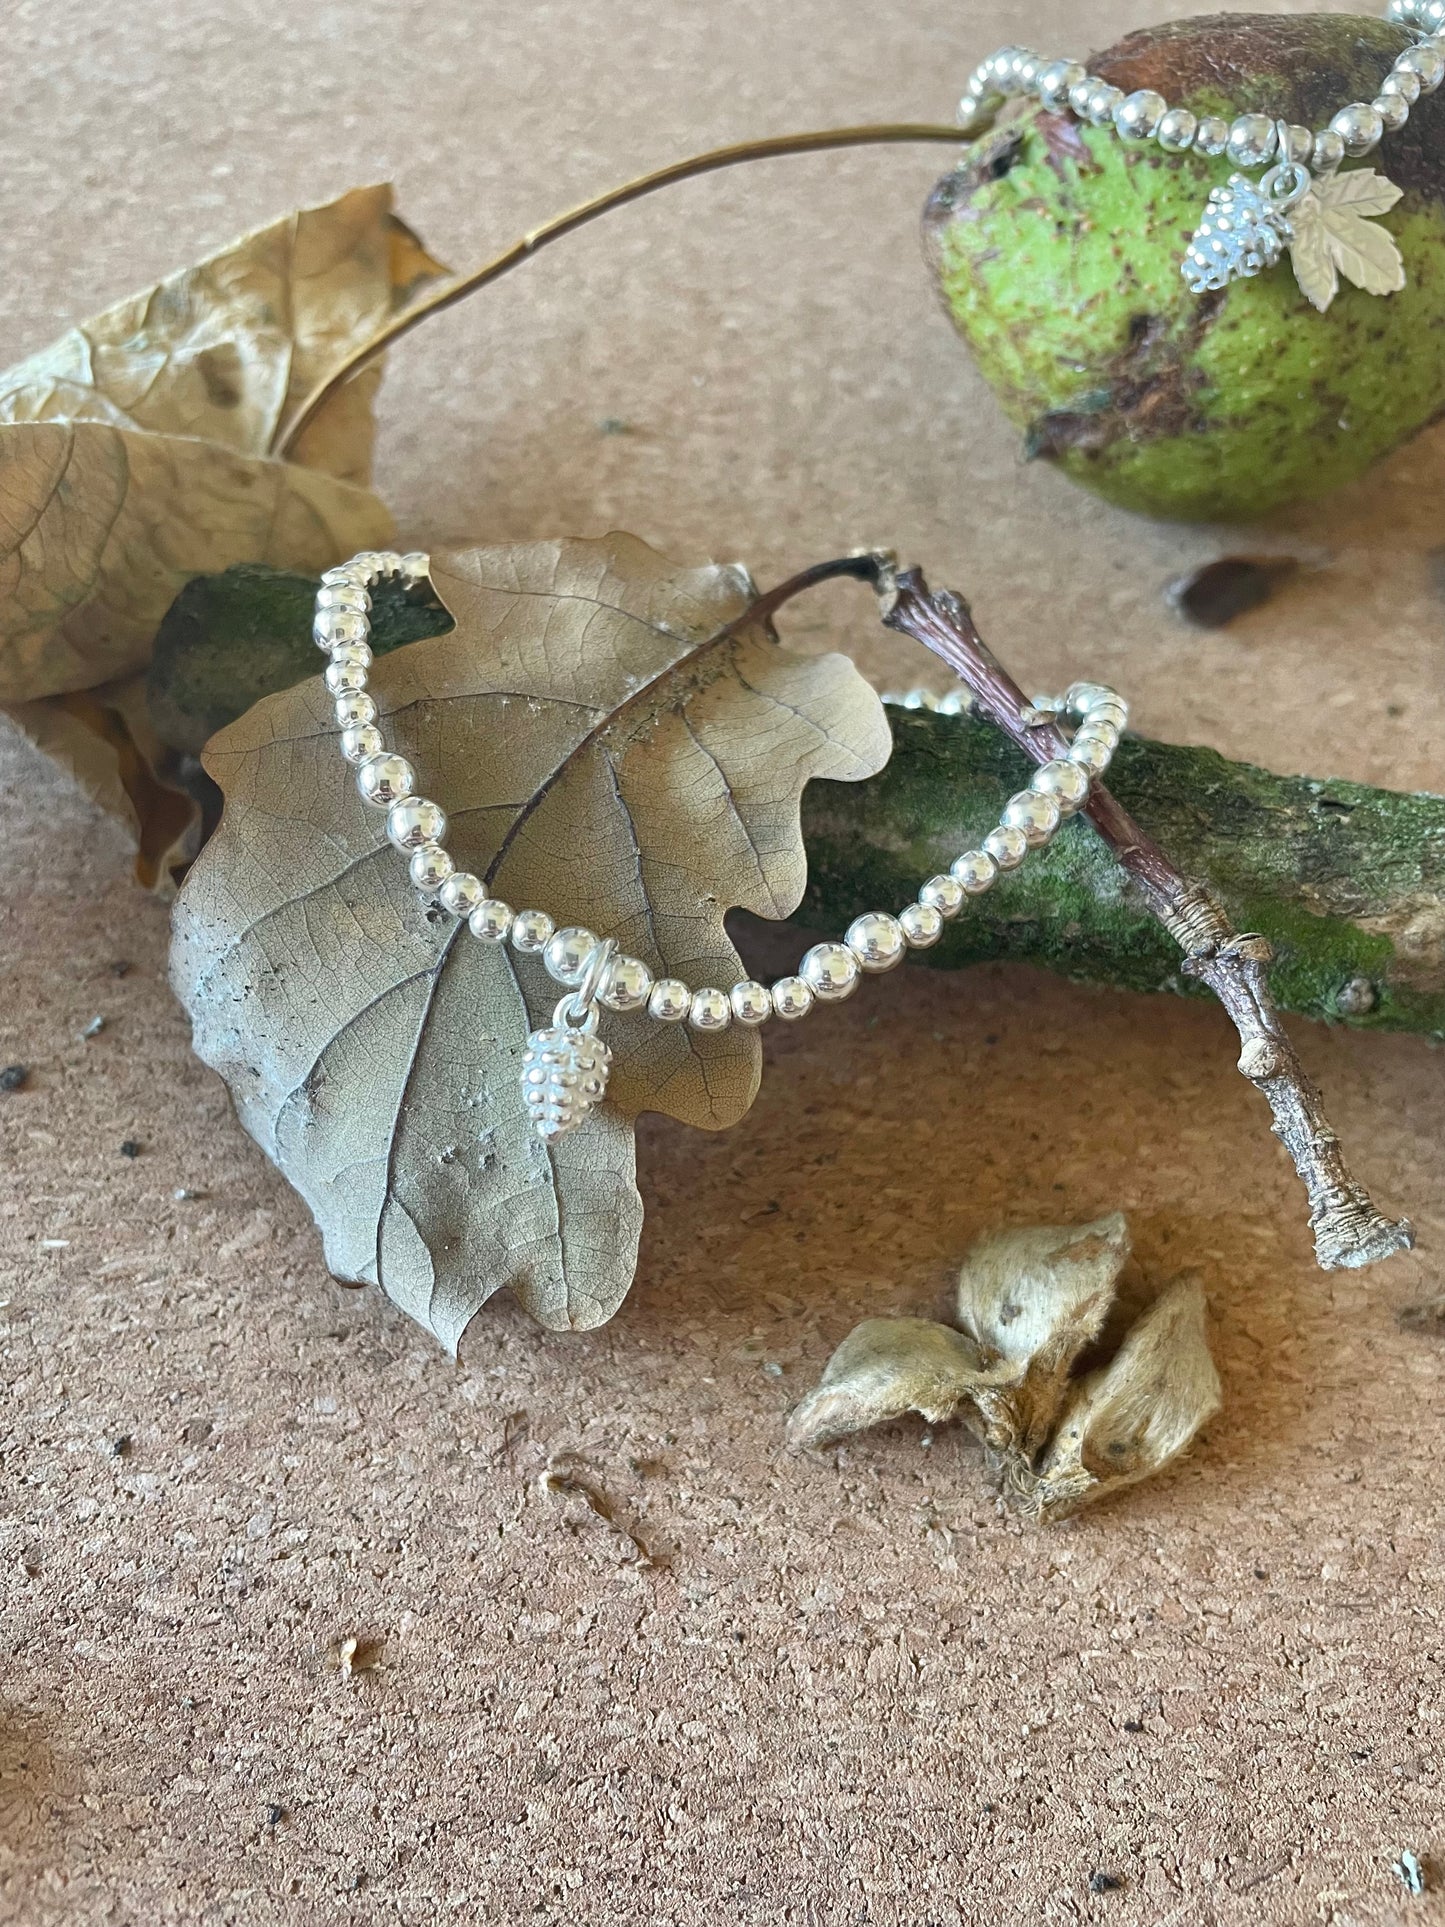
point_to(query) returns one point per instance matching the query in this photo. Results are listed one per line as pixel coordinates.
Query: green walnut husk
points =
(1057, 248)
(1347, 881)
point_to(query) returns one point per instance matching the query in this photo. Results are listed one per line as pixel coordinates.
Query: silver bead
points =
(353, 707)
(567, 955)
(1211, 136)
(491, 920)
(1299, 144)
(360, 744)
(1115, 713)
(342, 678)
(831, 971)
(1081, 696)
(1007, 846)
(1402, 82)
(1104, 104)
(1359, 127)
(944, 894)
(875, 940)
(1095, 730)
(954, 703)
(1027, 71)
(385, 779)
(1065, 782)
(341, 575)
(1253, 140)
(531, 931)
(415, 565)
(331, 629)
(792, 998)
(1090, 754)
(1329, 151)
(462, 893)
(975, 116)
(343, 595)
(1036, 816)
(1138, 115)
(752, 1003)
(670, 1000)
(922, 926)
(1176, 130)
(710, 1010)
(414, 822)
(1433, 15)
(1399, 11)
(1056, 80)
(430, 867)
(999, 66)
(626, 984)
(1082, 92)
(975, 870)
(1394, 111)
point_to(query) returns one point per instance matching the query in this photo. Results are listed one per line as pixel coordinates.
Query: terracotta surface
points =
(840, 1691)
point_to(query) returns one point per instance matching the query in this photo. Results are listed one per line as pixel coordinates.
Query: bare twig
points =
(1349, 1230)
(814, 142)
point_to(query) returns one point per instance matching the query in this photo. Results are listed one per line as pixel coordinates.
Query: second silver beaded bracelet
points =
(565, 1065)
(1247, 226)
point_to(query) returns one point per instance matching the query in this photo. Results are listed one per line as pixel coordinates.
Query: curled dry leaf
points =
(615, 741)
(1031, 1302)
(134, 457)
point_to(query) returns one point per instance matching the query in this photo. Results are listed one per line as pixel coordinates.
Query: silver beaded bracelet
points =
(565, 1065)
(1300, 204)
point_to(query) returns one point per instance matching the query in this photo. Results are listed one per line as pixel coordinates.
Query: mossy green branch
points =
(1346, 881)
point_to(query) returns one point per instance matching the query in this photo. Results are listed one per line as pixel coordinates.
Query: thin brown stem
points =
(1348, 1228)
(818, 141)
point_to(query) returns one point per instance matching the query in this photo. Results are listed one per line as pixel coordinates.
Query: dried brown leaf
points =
(225, 351)
(613, 742)
(100, 527)
(1131, 1417)
(102, 738)
(1032, 1299)
(884, 1368)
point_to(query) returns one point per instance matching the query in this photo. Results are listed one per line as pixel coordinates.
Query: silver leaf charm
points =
(1332, 233)
(564, 1072)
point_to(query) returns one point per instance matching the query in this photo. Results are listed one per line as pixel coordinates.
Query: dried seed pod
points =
(1032, 1299)
(1131, 1417)
(884, 1368)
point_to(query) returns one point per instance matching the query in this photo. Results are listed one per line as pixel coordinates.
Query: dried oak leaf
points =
(614, 741)
(133, 457)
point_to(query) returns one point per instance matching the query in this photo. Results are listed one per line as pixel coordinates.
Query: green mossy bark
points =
(1058, 249)
(1347, 882)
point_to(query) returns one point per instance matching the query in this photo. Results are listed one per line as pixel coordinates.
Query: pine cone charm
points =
(564, 1073)
(1243, 232)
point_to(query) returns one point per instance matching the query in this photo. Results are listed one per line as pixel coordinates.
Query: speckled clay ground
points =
(840, 1691)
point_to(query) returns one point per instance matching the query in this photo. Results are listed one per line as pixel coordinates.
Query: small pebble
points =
(120, 968)
(183, 1194)
(1104, 1883)
(121, 1448)
(14, 1077)
(131, 1148)
(1213, 596)
(1410, 1873)
(94, 1027)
